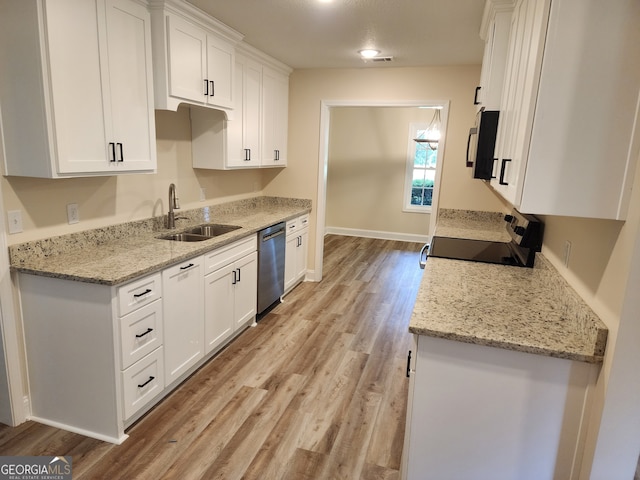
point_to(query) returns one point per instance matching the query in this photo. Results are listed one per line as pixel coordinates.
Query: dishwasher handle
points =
(269, 236)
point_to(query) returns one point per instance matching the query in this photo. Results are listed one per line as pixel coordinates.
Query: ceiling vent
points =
(379, 59)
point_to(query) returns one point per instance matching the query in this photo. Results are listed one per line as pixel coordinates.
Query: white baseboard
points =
(354, 232)
(81, 431)
(310, 276)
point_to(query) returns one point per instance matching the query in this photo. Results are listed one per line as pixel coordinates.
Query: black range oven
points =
(526, 239)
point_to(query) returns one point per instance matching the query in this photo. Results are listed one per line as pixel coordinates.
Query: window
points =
(422, 160)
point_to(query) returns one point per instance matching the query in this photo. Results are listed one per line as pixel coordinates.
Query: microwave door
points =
(486, 141)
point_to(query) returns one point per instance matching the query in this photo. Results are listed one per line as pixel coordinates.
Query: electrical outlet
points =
(203, 194)
(567, 252)
(73, 216)
(15, 221)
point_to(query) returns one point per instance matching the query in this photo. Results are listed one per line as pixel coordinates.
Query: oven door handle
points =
(423, 263)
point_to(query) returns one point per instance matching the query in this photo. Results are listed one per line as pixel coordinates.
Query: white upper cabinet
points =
(568, 134)
(256, 135)
(275, 91)
(77, 90)
(243, 132)
(496, 24)
(194, 57)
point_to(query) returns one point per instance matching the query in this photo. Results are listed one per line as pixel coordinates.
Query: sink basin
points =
(185, 237)
(200, 233)
(212, 229)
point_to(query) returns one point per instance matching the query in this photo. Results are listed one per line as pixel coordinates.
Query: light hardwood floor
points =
(316, 391)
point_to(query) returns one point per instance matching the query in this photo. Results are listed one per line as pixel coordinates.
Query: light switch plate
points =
(15, 221)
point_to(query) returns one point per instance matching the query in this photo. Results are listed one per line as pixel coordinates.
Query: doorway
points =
(323, 161)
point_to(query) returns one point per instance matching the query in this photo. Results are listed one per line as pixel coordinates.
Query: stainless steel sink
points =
(212, 229)
(201, 233)
(185, 237)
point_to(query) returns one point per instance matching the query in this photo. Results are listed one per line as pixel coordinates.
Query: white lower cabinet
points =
(100, 356)
(295, 263)
(183, 317)
(230, 291)
(478, 412)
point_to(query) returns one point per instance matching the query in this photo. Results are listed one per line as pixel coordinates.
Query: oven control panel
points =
(525, 230)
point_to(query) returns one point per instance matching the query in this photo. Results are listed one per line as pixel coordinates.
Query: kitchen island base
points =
(479, 412)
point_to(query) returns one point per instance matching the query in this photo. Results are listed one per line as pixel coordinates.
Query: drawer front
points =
(139, 293)
(142, 381)
(292, 226)
(229, 254)
(303, 221)
(140, 333)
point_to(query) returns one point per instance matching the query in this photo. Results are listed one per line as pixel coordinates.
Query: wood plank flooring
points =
(316, 391)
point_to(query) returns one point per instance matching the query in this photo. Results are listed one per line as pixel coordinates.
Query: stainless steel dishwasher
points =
(271, 245)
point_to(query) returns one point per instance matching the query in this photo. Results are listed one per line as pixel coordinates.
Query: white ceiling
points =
(311, 34)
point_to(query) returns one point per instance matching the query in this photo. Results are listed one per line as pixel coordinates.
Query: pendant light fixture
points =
(432, 134)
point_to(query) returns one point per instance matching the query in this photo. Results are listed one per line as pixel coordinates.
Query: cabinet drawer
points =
(140, 333)
(142, 381)
(139, 293)
(230, 253)
(292, 226)
(296, 224)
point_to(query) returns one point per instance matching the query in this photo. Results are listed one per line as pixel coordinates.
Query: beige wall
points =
(599, 264)
(366, 169)
(110, 200)
(308, 88)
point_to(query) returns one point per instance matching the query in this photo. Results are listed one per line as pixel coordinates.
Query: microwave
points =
(481, 144)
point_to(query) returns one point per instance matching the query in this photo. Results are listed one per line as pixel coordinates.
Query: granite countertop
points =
(530, 310)
(120, 253)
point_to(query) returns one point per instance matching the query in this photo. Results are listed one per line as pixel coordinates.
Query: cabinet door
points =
(218, 307)
(131, 91)
(275, 89)
(246, 289)
(183, 317)
(493, 63)
(301, 254)
(244, 130)
(290, 257)
(523, 72)
(220, 72)
(78, 73)
(187, 60)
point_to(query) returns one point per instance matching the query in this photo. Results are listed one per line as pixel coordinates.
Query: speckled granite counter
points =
(523, 309)
(120, 253)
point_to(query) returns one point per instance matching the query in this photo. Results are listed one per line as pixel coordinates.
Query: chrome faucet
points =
(173, 203)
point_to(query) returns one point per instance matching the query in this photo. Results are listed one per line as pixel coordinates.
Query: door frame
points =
(323, 162)
(9, 331)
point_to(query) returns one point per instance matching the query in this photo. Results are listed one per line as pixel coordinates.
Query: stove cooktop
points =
(475, 251)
